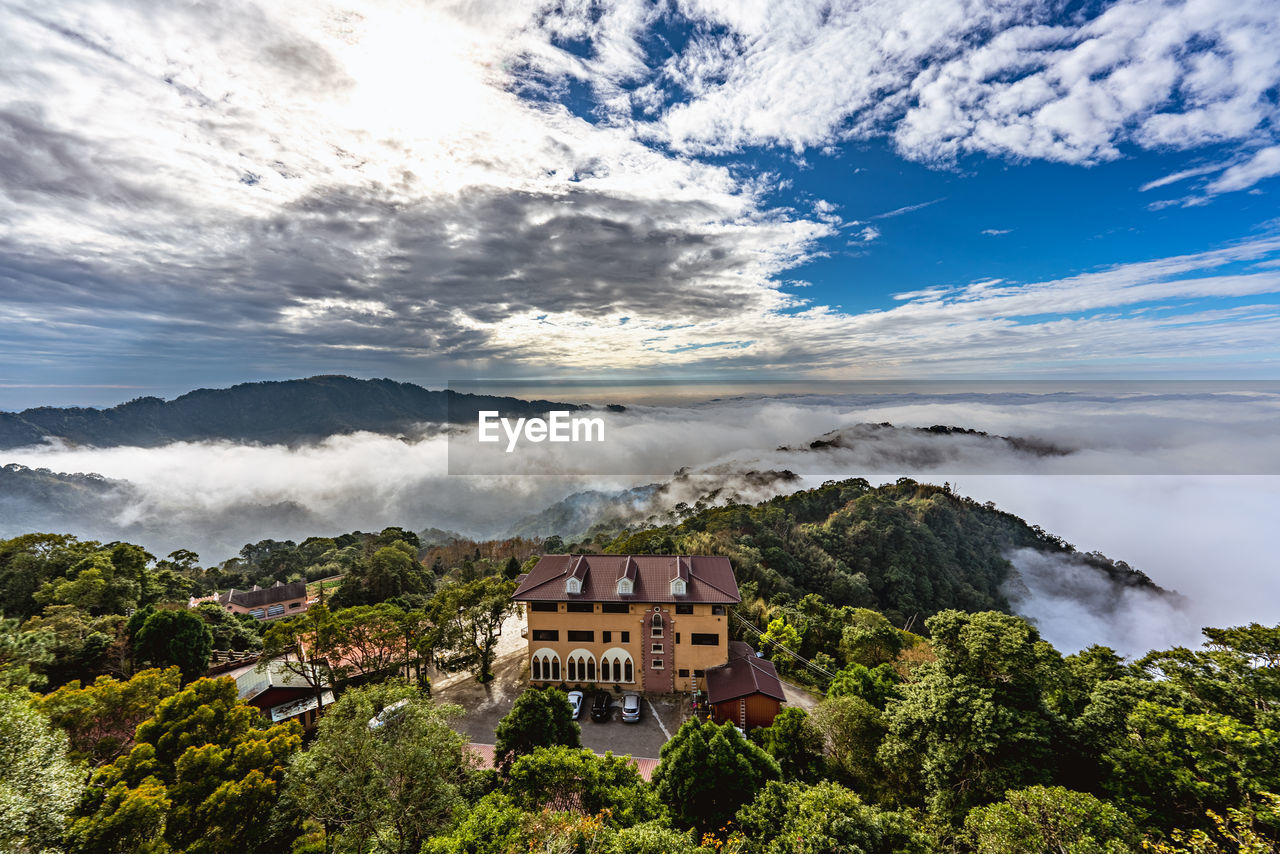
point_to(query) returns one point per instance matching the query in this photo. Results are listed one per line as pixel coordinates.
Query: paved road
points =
(485, 705)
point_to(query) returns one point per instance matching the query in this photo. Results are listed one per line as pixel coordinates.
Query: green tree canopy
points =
(1039, 819)
(794, 818)
(975, 722)
(540, 717)
(175, 638)
(796, 744)
(468, 618)
(101, 718)
(707, 772)
(39, 785)
(384, 788)
(567, 779)
(203, 777)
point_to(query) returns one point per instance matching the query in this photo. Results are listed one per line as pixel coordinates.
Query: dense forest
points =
(945, 724)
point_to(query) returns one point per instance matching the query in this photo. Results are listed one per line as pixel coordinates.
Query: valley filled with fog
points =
(1182, 486)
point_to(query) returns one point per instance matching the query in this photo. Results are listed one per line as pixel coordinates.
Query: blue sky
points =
(195, 196)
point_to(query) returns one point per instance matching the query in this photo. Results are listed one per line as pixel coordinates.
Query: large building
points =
(262, 603)
(644, 622)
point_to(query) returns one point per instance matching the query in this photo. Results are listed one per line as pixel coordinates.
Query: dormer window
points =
(679, 587)
(625, 586)
(573, 586)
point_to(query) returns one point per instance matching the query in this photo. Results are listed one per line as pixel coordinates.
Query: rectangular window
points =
(546, 634)
(677, 637)
(684, 609)
(584, 637)
(606, 637)
(615, 608)
(701, 639)
(656, 664)
(542, 606)
(684, 673)
(699, 673)
(656, 648)
(717, 610)
(626, 637)
(580, 607)
(275, 610)
(293, 605)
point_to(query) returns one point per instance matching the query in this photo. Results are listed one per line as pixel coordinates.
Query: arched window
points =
(615, 666)
(657, 625)
(591, 670)
(545, 665)
(573, 670)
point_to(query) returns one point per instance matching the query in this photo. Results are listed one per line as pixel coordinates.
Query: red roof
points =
(710, 578)
(744, 674)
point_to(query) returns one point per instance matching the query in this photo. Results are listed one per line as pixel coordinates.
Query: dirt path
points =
(800, 698)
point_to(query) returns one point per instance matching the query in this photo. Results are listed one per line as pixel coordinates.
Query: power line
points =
(760, 635)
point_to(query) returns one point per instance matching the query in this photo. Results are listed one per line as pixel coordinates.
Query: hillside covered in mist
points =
(269, 412)
(906, 549)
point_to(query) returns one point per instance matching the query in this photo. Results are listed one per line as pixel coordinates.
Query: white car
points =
(388, 715)
(630, 708)
(575, 703)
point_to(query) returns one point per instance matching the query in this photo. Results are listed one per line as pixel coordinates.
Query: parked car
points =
(631, 708)
(600, 707)
(390, 714)
(575, 703)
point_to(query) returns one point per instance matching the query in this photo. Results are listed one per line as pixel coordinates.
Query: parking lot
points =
(485, 705)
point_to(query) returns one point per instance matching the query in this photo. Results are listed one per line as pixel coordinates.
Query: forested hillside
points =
(269, 412)
(906, 549)
(966, 734)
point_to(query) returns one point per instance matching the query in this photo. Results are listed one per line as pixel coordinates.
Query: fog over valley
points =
(1179, 486)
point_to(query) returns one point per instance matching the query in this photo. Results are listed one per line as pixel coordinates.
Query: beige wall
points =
(678, 653)
(292, 607)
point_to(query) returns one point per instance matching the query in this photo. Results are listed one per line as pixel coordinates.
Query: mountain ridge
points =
(268, 412)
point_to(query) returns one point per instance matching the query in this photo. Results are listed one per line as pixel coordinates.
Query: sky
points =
(197, 194)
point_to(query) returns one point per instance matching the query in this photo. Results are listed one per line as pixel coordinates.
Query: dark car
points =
(600, 707)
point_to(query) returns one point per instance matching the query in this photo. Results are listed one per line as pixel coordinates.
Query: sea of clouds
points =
(1183, 486)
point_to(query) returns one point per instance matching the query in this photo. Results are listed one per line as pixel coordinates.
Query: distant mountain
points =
(42, 500)
(268, 412)
(581, 513)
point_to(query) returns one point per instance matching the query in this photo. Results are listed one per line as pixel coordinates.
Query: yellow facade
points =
(663, 657)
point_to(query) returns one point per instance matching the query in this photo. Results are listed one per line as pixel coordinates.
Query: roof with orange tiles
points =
(708, 578)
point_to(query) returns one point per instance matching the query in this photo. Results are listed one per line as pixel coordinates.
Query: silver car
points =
(631, 708)
(575, 703)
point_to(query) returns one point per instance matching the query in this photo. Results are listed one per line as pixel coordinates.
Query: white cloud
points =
(996, 232)
(1182, 176)
(1169, 478)
(1264, 164)
(950, 77)
(283, 181)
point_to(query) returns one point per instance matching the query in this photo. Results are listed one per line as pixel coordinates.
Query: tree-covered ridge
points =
(906, 549)
(968, 734)
(269, 412)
